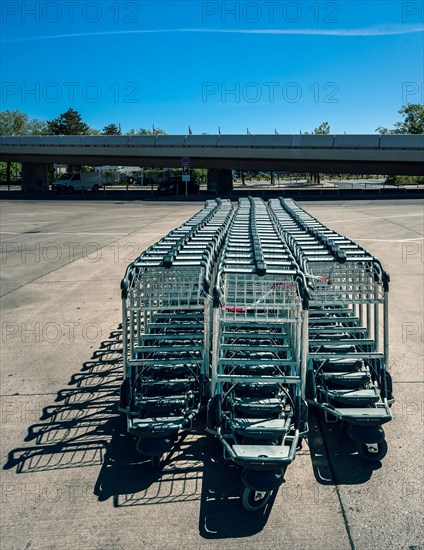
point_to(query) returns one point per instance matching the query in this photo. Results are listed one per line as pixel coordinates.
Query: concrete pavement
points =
(70, 475)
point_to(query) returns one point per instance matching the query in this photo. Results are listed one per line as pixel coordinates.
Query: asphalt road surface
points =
(70, 476)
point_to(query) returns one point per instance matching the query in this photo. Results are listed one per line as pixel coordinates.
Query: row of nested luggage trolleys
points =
(255, 312)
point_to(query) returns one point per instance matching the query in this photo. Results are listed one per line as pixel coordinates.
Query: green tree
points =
(37, 127)
(412, 123)
(153, 132)
(17, 123)
(382, 130)
(413, 119)
(111, 130)
(69, 123)
(13, 123)
(323, 129)
(145, 132)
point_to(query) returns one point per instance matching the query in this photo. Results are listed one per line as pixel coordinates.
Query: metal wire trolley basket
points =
(259, 353)
(348, 327)
(166, 324)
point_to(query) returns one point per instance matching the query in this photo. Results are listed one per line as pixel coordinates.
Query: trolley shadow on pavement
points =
(221, 512)
(83, 428)
(130, 480)
(76, 430)
(194, 471)
(333, 454)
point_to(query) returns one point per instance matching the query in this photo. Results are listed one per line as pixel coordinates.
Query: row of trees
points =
(412, 123)
(17, 123)
(70, 123)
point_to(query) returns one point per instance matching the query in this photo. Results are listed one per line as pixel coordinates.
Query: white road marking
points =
(42, 233)
(376, 217)
(393, 240)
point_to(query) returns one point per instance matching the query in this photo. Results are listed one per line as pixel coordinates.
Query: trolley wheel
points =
(253, 501)
(124, 394)
(155, 462)
(373, 452)
(138, 446)
(96, 188)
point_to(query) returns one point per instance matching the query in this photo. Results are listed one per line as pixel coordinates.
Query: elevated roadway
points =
(360, 154)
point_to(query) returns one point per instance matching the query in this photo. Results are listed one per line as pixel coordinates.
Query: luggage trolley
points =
(259, 353)
(348, 327)
(166, 330)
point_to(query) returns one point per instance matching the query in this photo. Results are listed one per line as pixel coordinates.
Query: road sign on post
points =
(186, 170)
(186, 173)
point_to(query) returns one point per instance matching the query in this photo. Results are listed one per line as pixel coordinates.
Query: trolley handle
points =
(218, 240)
(289, 243)
(217, 293)
(298, 219)
(334, 250)
(303, 289)
(258, 254)
(188, 225)
(169, 257)
(127, 280)
(385, 276)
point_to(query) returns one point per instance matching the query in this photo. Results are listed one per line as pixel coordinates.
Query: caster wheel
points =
(373, 452)
(138, 445)
(253, 501)
(155, 462)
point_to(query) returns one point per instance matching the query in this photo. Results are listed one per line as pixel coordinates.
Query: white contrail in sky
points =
(370, 31)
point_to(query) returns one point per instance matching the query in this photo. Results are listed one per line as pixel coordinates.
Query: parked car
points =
(176, 186)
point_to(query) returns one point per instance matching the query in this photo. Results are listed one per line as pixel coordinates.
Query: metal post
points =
(386, 328)
(369, 320)
(8, 171)
(298, 340)
(305, 349)
(215, 342)
(361, 314)
(207, 342)
(139, 325)
(377, 326)
(125, 337)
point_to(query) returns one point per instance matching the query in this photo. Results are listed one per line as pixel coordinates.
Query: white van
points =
(78, 181)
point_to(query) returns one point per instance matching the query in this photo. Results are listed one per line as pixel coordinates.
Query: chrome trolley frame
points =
(348, 327)
(167, 330)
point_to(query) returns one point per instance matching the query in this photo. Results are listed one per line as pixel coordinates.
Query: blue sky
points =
(235, 65)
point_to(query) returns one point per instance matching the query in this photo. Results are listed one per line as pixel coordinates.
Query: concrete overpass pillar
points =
(220, 181)
(35, 178)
